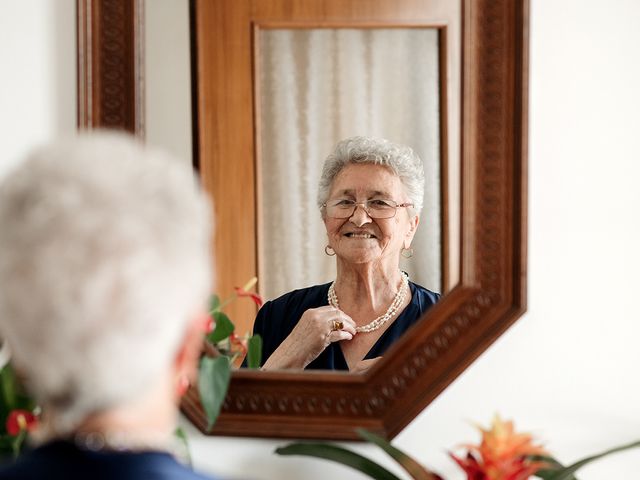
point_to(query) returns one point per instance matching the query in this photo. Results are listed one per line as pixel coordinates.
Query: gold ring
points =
(337, 325)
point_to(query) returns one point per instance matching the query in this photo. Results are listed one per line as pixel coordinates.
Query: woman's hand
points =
(314, 332)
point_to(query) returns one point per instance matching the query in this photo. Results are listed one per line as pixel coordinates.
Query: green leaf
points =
(6, 448)
(8, 383)
(16, 445)
(413, 468)
(254, 351)
(213, 381)
(6, 444)
(224, 328)
(567, 472)
(339, 455)
(183, 441)
(214, 303)
(554, 467)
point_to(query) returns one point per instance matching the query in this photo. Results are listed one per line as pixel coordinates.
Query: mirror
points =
(489, 291)
(230, 125)
(314, 87)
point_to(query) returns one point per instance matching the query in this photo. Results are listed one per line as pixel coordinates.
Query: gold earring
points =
(329, 251)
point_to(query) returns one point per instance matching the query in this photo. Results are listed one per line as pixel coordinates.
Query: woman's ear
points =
(413, 225)
(188, 354)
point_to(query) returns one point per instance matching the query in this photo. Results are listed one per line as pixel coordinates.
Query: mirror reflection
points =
(353, 220)
(370, 196)
(359, 281)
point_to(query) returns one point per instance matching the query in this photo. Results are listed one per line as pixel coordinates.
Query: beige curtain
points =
(316, 87)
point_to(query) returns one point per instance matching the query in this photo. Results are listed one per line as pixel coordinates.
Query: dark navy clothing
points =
(61, 460)
(277, 318)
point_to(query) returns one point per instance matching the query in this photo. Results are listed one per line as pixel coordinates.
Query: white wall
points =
(567, 369)
(38, 79)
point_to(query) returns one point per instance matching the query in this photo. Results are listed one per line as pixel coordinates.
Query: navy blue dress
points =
(277, 318)
(60, 460)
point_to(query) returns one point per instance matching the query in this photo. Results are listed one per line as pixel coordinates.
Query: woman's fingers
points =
(341, 326)
(316, 330)
(348, 325)
(336, 320)
(338, 335)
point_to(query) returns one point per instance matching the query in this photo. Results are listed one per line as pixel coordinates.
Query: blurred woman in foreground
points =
(104, 272)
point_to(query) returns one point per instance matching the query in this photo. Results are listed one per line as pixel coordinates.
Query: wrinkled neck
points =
(367, 287)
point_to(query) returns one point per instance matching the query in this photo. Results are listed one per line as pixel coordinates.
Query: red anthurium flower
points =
(243, 291)
(503, 454)
(238, 342)
(254, 296)
(19, 420)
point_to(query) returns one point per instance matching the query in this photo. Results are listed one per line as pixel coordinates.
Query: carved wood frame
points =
(110, 73)
(491, 294)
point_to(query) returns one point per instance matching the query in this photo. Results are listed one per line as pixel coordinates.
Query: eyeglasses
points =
(376, 208)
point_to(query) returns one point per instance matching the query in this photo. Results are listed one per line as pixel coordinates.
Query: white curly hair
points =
(400, 159)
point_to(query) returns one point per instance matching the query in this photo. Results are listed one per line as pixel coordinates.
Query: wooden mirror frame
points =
(491, 293)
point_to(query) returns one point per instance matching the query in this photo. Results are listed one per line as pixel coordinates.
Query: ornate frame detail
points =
(110, 73)
(491, 294)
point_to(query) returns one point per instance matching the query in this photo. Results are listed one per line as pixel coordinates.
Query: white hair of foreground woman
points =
(104, 259)
(400, 159)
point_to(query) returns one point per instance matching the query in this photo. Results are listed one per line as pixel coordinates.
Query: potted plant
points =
(503, 454)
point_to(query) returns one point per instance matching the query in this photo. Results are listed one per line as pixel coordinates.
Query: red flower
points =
(502, 455)
(243, 292)
(19, 420)
(238, 343)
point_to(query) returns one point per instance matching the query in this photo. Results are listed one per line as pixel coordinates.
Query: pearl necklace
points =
(375, 324)
(96, 441)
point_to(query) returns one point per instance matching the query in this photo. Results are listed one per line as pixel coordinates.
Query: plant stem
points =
(227, 301)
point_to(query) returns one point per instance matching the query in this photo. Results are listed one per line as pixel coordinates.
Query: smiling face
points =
(360, 238)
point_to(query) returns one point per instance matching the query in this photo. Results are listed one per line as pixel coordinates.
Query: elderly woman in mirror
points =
(370, 197)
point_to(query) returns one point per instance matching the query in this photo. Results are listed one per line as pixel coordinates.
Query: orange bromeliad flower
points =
(503, 454)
